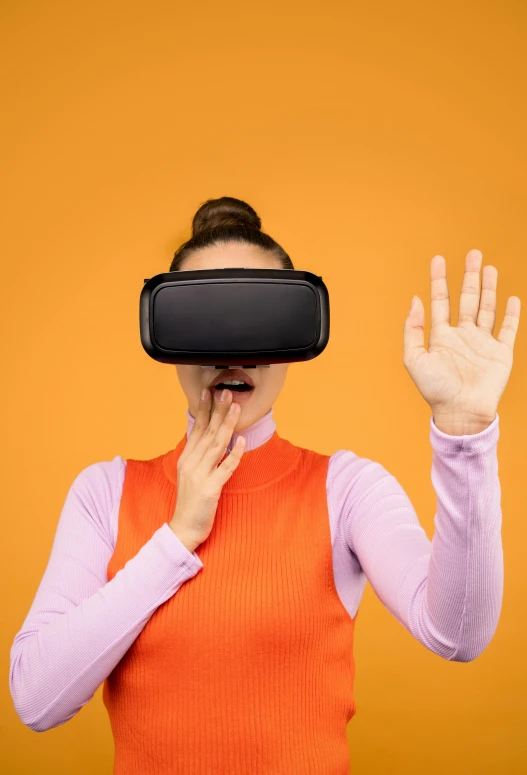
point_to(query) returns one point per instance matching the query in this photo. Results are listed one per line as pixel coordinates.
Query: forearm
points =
(463, 595)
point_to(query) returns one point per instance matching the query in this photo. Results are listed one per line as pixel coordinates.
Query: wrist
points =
(461, 425)
(187, 540)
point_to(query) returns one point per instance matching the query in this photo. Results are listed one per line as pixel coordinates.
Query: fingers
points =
(204, 435)
(470, 293)
(440, 300)
(208, 420)
(511, 321)
(487, 306)
(200, 425)
(475, 306)
(219, 413)
(222, 435)
(224, 471)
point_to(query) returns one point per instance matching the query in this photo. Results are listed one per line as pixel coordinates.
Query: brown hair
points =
(227, 220)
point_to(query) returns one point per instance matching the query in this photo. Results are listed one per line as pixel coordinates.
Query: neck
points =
(255, 435)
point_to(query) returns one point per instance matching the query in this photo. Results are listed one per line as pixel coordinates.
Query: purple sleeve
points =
(446, 592)
(80, 624)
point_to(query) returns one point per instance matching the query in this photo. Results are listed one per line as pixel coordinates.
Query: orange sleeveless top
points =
(248, 668)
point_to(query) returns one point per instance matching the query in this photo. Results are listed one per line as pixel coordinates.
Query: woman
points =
(216, 594)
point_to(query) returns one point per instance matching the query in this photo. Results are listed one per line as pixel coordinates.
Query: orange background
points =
(368, 137)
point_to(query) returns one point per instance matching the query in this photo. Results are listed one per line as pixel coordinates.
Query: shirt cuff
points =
(473, 443)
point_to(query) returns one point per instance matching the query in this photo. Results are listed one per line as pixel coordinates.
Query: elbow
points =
(22, 713)
(26, 695)
(23, 694)
(34, 724)
(34, 727)
(463, 657)
(467, 654)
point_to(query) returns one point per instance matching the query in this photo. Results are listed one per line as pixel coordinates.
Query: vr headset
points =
(246, 317)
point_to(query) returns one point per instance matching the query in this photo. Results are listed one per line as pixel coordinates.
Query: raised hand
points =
(464, 372)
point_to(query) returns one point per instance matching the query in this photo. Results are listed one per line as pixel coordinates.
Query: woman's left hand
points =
(464, 372)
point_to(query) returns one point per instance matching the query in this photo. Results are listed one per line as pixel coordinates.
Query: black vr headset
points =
(245, 317)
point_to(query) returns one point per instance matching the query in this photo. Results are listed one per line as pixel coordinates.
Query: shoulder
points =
(352, 478)
(102, 476)
(97, 490)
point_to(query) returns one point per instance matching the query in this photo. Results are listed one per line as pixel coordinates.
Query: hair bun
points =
(226, 211)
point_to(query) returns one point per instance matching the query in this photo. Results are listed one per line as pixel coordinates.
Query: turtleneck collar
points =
(255, 435)
(266, 457)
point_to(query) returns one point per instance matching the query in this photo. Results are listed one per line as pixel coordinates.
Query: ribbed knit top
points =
(447, 592)
(249, 667)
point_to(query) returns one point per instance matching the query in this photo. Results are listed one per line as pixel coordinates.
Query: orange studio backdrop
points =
(369, 137)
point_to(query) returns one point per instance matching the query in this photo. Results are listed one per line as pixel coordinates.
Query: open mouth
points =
(236, 388)
(237, 381)
(241, 394)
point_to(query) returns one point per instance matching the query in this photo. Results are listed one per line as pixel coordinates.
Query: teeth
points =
(233, 382)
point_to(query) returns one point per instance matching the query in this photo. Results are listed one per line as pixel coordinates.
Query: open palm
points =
(465, 369)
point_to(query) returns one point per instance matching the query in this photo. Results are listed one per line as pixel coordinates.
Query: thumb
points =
(414, 333)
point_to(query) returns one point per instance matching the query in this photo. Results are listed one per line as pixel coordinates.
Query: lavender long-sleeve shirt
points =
(446, 592)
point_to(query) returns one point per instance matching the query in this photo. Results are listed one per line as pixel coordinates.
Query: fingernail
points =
(223, 394)
(204, 394)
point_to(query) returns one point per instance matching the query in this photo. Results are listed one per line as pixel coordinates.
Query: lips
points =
(231, 374)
